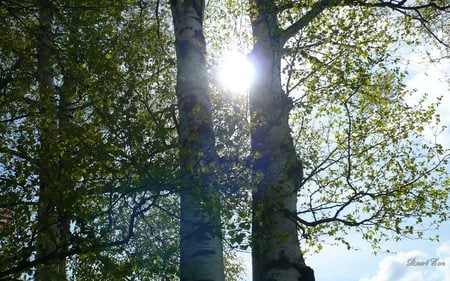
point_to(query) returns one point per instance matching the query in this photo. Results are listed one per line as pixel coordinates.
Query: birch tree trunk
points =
(52, 226)
(200, 230)
(276, 250)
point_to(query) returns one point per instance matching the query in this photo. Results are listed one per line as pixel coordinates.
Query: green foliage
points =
(367, 163)
(115, 149)
(366, 159)
(233, 266)
(153, 253)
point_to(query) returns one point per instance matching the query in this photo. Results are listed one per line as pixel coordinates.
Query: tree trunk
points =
(276, 249)
(52, 227)
(200, 230)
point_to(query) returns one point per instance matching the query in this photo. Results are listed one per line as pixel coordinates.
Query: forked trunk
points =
(200, 233)
(276, 250)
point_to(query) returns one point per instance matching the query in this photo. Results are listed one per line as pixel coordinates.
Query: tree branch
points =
(318, 7)
(79, 248)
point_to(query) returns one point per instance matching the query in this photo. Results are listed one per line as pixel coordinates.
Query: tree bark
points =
(53, 227)
(201, 256)
(276, 249)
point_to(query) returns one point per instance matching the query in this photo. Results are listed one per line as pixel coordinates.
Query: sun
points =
(235, 72)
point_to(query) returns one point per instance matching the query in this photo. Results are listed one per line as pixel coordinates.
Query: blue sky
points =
(338, 264)
(409, 263)
(414, 260)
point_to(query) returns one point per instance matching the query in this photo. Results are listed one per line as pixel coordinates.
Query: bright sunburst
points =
(235, 72)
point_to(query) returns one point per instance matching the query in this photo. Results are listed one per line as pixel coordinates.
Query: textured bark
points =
(276, 249)
(201, 256)
(52, 226)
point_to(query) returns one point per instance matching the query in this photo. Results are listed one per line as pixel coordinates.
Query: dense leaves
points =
(113, 150)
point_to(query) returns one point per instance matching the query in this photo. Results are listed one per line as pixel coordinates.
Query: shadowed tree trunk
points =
(200, 233)
(53, 223)
(276, 250)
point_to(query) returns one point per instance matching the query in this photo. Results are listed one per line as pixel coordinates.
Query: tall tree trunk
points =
(276, 250)
(52, 227)
(200, 230)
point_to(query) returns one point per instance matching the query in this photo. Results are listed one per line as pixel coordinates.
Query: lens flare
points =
(236, 72)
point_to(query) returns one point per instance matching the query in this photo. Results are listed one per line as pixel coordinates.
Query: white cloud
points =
(415, 266)
(432, 79)
(444, 249)
(444, 252)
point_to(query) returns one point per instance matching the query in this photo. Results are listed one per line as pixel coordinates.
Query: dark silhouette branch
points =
(75, 247)
(315, 10)
(318, 7)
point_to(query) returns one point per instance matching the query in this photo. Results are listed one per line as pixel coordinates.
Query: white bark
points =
(276, 249)
(200, 233)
